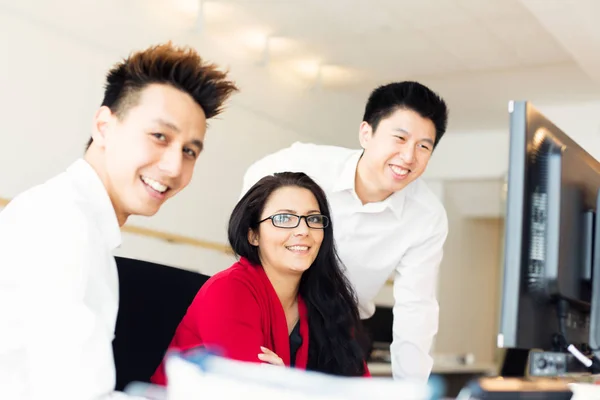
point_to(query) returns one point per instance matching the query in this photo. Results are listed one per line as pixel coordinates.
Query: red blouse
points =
(235, 313)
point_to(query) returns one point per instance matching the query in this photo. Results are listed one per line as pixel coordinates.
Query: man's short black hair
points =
(385, 100)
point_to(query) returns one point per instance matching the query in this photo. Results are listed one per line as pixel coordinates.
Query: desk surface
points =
(381, 368)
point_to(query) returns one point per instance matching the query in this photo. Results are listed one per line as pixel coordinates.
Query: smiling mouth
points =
(154, 185)
(298, 249)
(399, 170)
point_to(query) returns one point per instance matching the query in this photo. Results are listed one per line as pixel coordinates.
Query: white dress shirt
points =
(404, 235)
(59, 290)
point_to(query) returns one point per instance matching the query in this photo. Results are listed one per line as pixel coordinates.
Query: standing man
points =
(385, 217)
(58, 278)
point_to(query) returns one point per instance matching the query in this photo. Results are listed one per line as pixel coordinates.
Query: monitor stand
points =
(520, 363)
(515, 363)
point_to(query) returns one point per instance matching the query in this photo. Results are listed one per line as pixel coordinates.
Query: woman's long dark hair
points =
(334, 323)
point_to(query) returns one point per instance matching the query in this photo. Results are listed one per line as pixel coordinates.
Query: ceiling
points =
(392, 39)
(309, 65)
(477, 53)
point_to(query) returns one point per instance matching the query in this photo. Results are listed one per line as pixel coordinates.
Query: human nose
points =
(302, 228)
(171, 162)
(407, 154)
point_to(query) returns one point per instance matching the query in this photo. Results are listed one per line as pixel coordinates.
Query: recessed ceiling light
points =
(191, 7)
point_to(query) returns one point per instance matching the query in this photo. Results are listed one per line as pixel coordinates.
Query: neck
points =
(365, 186)
(91, 157)
(286, 286)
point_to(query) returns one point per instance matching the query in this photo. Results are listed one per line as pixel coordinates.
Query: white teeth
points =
(298, 248)
(399, 171)
(159, 187)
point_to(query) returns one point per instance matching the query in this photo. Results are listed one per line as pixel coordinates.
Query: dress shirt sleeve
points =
(290, 159)
(229, 319)
(416, 308)
(68, 352)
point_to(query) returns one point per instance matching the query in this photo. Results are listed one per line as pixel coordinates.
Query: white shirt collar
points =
(88, 182)
(346, 182)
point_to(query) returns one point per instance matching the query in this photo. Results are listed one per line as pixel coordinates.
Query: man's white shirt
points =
(59, 290)
(402, 235)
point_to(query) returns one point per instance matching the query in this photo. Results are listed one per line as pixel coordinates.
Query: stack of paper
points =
(205, 376)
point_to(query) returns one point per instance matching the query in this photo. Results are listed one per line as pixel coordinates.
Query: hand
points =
(269, 357)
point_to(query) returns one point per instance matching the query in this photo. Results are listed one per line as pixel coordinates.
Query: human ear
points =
(103, 119)
(365, 132)
(252, 237)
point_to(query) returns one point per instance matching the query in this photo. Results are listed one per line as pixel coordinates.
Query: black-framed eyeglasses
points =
(290, 221)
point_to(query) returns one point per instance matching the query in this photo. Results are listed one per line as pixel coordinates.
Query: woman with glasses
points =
(286, 301)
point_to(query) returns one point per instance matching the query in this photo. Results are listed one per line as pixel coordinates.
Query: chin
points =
(398, 185)
(146, 211)
(299, 268)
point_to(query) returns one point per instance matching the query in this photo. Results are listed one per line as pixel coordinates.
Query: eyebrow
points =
(196, 142)
(427, 140)
(285, 210)
(199, 144)
(167, 124)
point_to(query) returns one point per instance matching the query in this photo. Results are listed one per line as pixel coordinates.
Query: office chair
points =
(153, 299)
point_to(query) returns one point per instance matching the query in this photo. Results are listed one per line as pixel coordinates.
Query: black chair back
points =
(153, 299)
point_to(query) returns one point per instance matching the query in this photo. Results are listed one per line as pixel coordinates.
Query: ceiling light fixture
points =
(264, 61)
(200, 16)
(190, 7)
(308, 69)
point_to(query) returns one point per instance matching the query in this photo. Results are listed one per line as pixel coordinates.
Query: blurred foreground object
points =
(202, 374)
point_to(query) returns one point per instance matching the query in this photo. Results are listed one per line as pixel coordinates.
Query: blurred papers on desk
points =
(206, 376)
(585, 391)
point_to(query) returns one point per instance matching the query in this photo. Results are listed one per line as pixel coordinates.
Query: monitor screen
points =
(549, 234)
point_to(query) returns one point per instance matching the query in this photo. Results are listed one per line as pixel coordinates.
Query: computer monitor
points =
(552, 200)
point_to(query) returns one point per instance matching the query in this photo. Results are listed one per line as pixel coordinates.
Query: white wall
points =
(468, 293)
(469, 276)
(484, 154)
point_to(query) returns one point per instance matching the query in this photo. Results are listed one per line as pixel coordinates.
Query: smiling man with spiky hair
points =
(58, 278)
